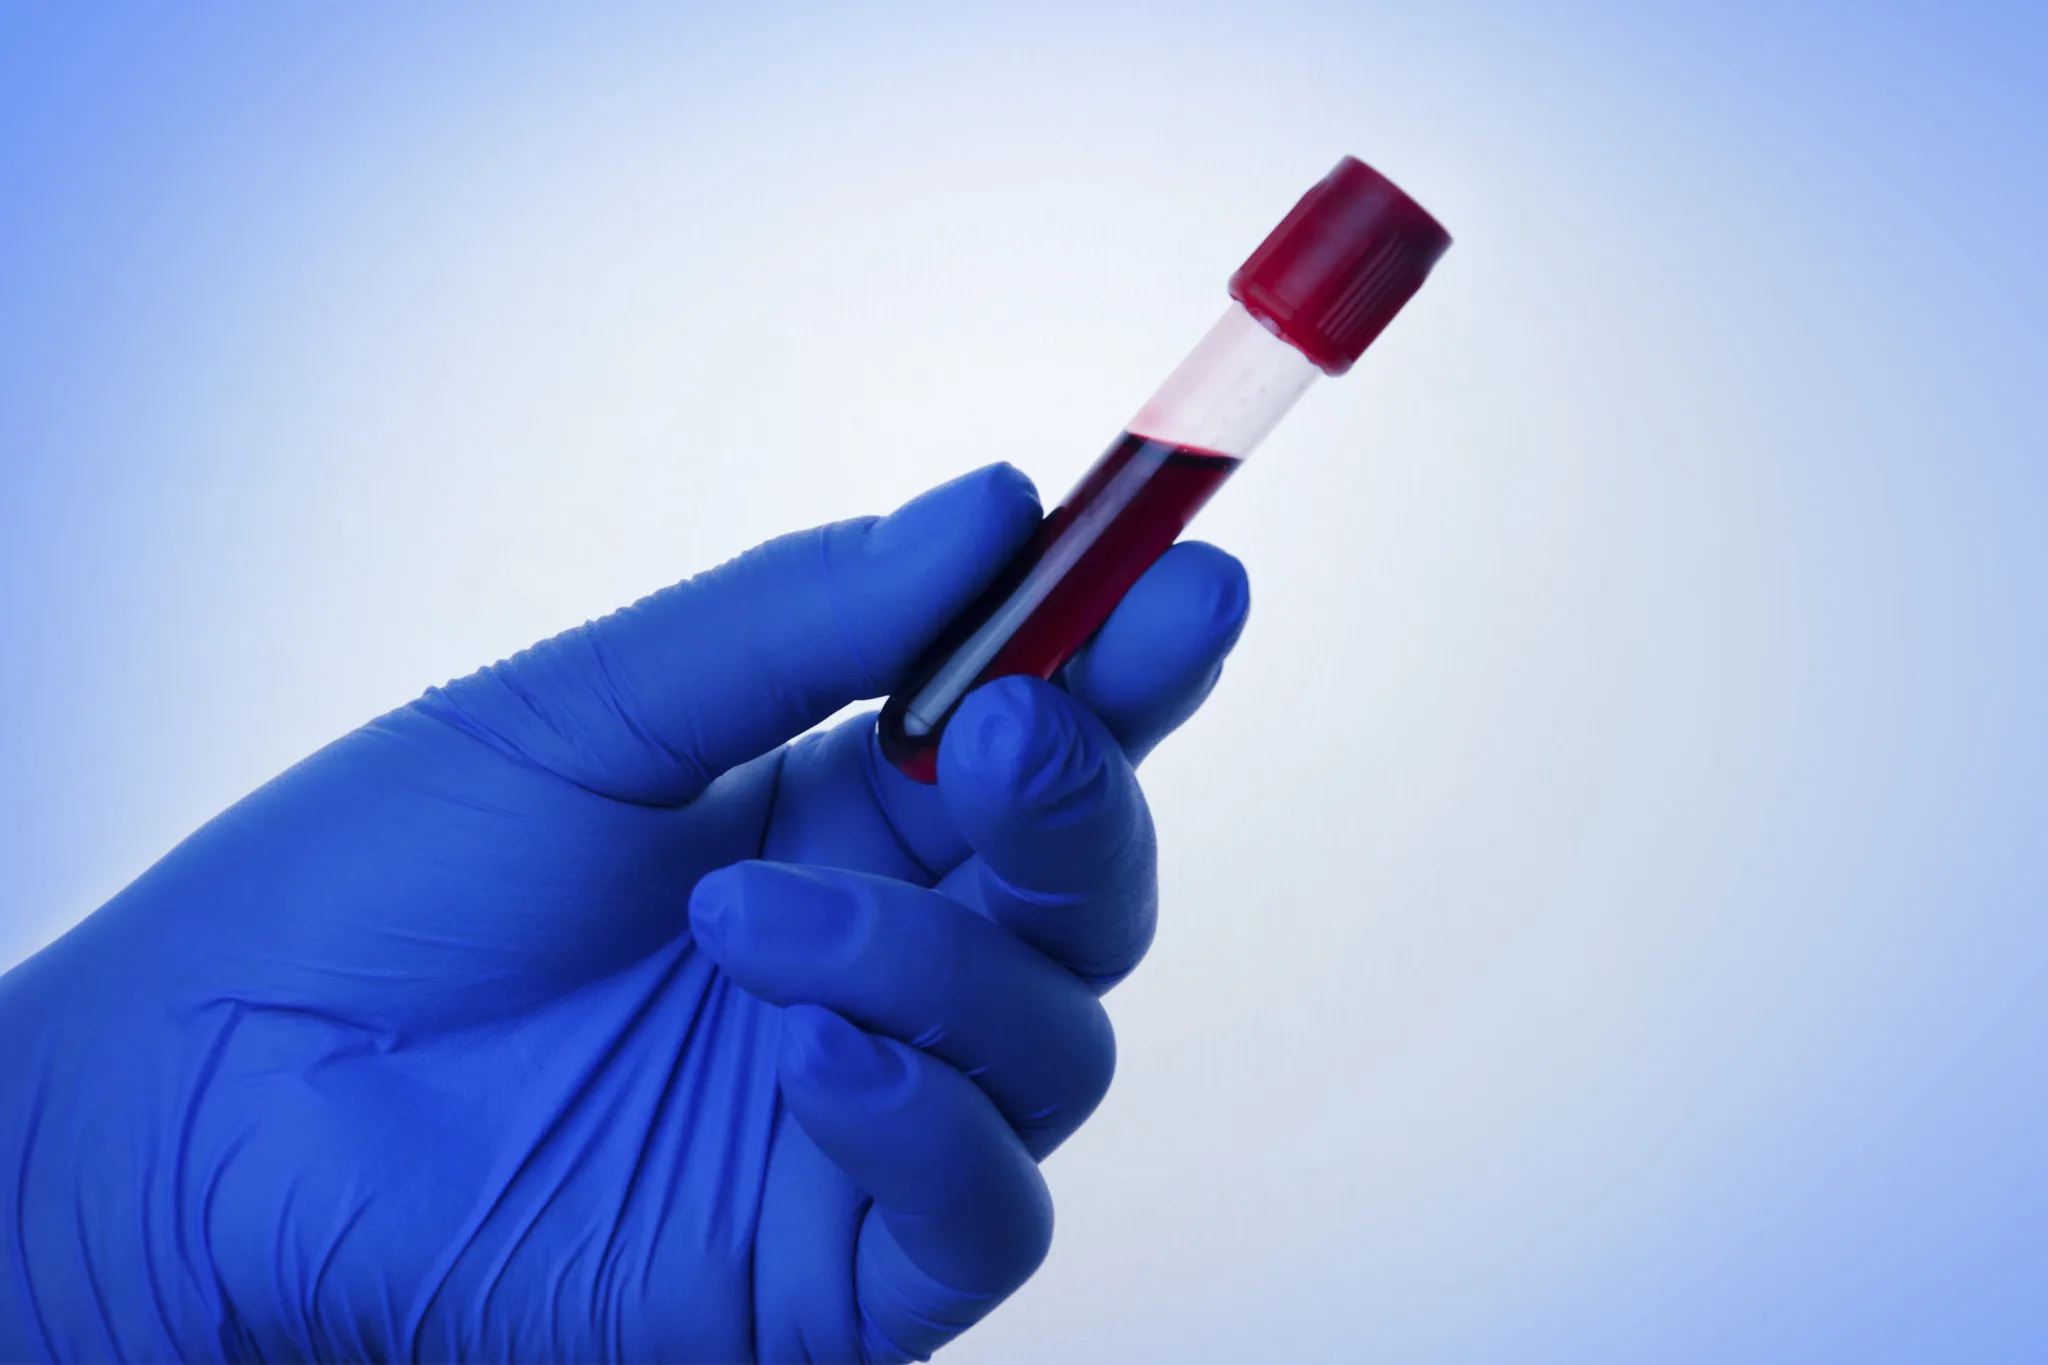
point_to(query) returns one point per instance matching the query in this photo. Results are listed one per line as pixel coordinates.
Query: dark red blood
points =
(1083, 599)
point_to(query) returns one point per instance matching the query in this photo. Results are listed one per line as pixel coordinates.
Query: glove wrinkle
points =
(557, 1120)
(33, 1111)
(199, 1267)
(626, 709)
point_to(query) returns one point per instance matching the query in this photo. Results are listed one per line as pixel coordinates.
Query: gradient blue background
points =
(1607, 900)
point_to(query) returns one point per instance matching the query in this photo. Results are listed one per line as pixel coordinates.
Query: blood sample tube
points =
(1309, 301)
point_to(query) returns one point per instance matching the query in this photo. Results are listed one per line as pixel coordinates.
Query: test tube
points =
(1315, 294)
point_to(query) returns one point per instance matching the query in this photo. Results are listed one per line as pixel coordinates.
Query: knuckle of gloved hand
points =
(1082, 1070)
(1036, 1243)
(1091, 1067)
(1012, 1201)
(1117, 959)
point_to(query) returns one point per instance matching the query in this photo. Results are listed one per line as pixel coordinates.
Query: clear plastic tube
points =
(1308, 302)
(1190, 436)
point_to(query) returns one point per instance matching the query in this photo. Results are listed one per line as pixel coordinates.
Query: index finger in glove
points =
(1046, 797)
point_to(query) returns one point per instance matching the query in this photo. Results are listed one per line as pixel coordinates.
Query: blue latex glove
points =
(563, 1014)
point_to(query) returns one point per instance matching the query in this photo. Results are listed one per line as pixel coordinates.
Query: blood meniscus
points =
(1308, 301)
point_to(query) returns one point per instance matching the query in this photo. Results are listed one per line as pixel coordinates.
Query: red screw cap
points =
(1333, 274)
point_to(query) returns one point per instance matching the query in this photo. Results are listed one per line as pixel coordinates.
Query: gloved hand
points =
(562, 1013)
